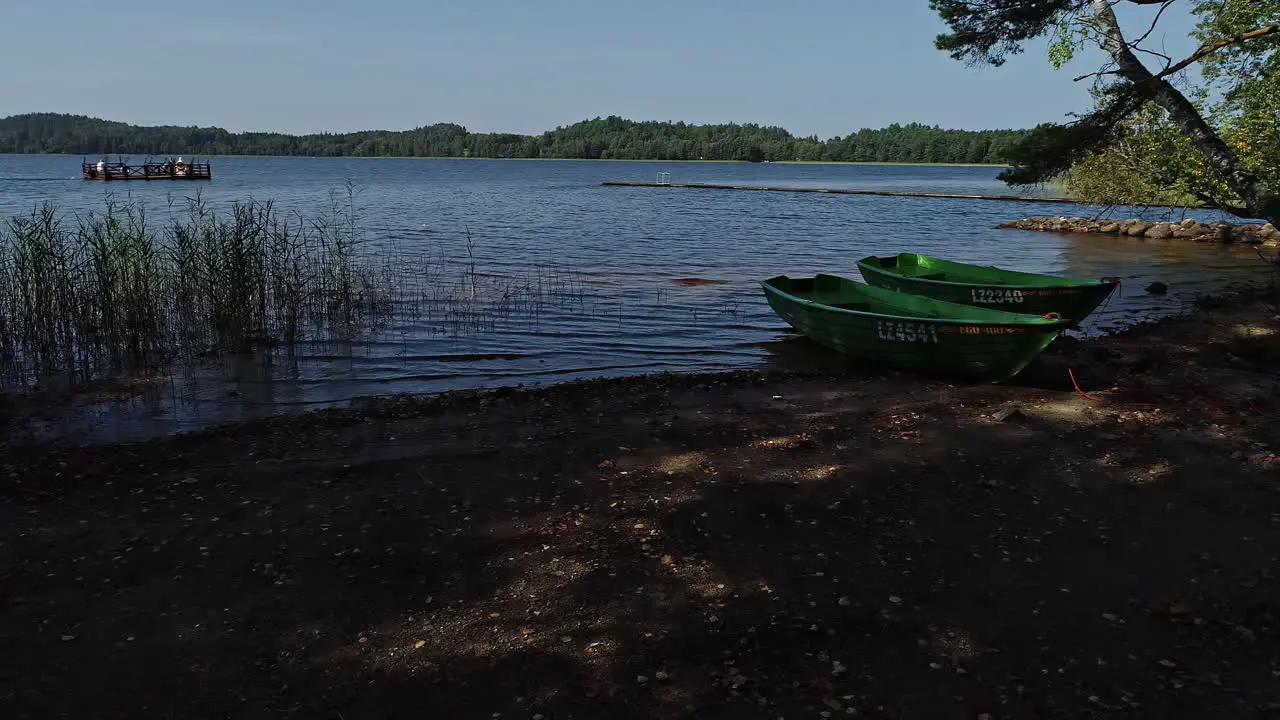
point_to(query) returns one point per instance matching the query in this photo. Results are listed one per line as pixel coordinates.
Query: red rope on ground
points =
(1077, 385)
(1096, 399)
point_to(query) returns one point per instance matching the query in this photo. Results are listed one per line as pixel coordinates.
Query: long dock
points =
(836, 191)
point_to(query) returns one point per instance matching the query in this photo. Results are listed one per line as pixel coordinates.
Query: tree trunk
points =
(1259, 202)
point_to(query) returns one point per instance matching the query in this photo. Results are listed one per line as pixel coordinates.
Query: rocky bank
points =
(1252, 234)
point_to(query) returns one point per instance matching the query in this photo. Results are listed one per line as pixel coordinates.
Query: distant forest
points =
(602, 138)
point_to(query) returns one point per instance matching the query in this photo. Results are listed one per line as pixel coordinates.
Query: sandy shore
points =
(730, 546)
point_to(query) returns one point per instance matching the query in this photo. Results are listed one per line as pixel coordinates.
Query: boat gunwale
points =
(1069, 282)
(1037, 322)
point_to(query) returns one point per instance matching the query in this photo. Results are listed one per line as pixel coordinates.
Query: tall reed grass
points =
(114, 293)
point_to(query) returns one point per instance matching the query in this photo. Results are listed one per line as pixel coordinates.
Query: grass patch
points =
(115, 293)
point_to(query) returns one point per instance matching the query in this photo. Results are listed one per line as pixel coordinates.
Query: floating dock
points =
(168, 170)
(837, 191)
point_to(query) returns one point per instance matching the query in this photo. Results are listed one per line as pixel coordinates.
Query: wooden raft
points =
(147, 171)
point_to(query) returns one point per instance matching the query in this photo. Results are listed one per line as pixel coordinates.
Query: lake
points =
(608, 261)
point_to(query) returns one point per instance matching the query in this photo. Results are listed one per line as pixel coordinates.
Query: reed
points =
(113, 292)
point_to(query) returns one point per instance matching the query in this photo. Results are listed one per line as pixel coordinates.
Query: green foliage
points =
(1128, 149)
(1238, 69)
(601, 138)
(1068, 39)
(987, 31)
(1247, 76)
(1133, 168)
(1151, 160)
(1050, 150)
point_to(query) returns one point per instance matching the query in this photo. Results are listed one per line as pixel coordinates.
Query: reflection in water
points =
(1188, 269)
(666, 279)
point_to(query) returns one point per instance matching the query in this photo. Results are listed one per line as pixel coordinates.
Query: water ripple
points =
(623, 251)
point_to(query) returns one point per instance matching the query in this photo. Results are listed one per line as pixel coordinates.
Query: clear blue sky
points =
(813, 66)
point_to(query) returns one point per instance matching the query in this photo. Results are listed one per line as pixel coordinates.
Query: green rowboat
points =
(984, 286)
(911, 331)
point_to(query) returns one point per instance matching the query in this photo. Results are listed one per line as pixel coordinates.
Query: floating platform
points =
(147, 171)
(837, 191)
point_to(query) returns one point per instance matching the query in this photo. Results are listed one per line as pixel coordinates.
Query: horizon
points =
(501, 67)
(740, 123)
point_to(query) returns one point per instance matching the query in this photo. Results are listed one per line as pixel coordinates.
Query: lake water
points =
(623, 250)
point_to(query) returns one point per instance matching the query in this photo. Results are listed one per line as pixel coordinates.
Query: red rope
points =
(1077, 385)
(1095, 399)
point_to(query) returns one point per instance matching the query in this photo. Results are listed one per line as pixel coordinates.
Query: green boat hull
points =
(1073, 298)
(910, 331)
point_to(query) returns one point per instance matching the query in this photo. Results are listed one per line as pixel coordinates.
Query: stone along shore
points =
(1252, 234)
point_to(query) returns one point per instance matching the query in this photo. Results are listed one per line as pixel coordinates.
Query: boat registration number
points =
(906, 332)
(992, 296)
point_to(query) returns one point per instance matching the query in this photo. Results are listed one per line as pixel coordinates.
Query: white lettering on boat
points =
(995, 296)
(906, 332)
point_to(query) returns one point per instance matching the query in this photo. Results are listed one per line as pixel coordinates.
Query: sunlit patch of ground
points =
(682, 463)
(783, 442)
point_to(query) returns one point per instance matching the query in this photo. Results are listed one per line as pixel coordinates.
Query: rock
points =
(1157, 288)
(1218, 232)
(1188, 229)
(1223, 231)
(1007, 413)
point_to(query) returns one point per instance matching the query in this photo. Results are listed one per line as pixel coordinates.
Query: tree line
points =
(598, 139)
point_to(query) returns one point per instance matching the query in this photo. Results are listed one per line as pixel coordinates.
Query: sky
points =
(825, 67)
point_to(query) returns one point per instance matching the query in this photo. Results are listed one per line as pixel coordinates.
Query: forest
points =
(612, 138)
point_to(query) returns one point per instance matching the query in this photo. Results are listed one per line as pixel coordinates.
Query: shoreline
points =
(371, 406)
(556, 159)
(34, 403)
(674, 546)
